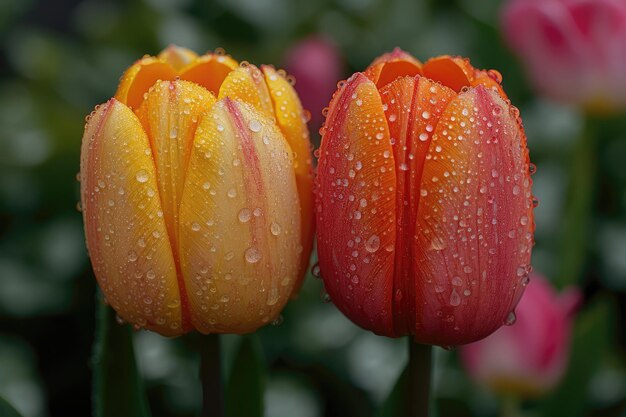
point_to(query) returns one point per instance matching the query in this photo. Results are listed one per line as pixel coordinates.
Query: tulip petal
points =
(452, 72)
(356, 199)
(289, 117)
(178, 57)
(239, 221)
(138, 79)
(169, 115)
(474, 222)
(247, 85)
(126, 234)
(390, 66)
(209, 71)
(413, 107)
(490, 79)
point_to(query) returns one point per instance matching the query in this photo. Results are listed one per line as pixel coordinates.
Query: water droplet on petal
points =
(244, 215)
(273, 297)
(254, 125)
(510, 319)
(455, 300)
(142, 176)
(275, 228)
(372, 244)
(252, 255)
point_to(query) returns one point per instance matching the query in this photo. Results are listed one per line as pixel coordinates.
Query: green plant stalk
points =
(117, 385)
(579, 204)
(211, 376)
(419, 379)
(510, 406)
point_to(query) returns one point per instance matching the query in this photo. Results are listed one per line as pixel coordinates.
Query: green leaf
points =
(117, 387)
(245, 389)
(395, 404)
(591, 338)
(7, 410)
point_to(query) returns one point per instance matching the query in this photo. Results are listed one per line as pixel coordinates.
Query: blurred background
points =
(60, 58)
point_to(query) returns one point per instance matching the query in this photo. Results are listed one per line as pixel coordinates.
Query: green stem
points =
(510, 406)
(211, 377)
(419, 370)
(579, 204)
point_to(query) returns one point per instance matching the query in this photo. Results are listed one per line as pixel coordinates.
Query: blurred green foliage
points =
(58, 59)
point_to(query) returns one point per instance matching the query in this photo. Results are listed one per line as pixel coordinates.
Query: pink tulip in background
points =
(317, 65)
(573, 50)
(529, 357)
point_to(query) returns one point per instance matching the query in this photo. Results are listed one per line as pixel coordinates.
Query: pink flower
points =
(573, 50)
(316, 64)
(529, 357)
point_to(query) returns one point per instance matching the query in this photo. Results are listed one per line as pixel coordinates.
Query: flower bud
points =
(530, 357)
(573, 51)
(196, 194)
(317, 65)
(424, 205)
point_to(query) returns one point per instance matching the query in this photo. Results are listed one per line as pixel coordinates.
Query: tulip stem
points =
(579, 205)
(419, 370)
(510, 406)
(211, 376)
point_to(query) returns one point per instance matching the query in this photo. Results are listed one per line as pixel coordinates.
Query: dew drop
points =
(142, 176)
(275, 228)
(372, 244)
(195, 226)
(278, 320)
(455, 300)
(244, 215)
(510, 319)
(252, 255)
(254, 125)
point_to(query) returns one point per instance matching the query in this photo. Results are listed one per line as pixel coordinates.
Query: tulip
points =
(529, 358)
(423, 200)
(316, 63)
(196, 194)
(574, 50)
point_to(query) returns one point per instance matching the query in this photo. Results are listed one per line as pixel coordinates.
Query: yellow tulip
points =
(196, 194)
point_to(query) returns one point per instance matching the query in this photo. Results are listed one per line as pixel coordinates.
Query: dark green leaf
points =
(395, 404)
(244, 392)
(117, 387)
(7, 410)
(591, 338)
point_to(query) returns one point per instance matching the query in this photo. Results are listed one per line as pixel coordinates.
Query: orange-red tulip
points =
(196, 194)
(424, 204)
